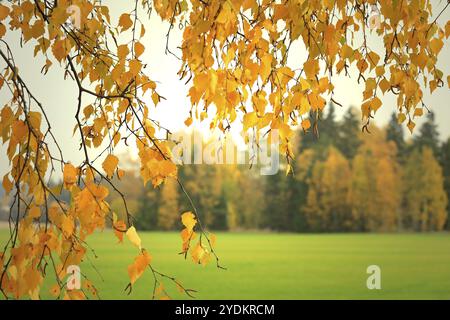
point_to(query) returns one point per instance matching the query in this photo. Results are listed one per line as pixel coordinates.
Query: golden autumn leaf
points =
(436, 45)
(311, 68)
(187, 235)
(234, 56)
(119, 227)
(110, 165)
(188, 220)
(418, 112)
(375, 104)
(188, 121)
(139, 49)
(224, 14)
(134, 237)
(200, 254)
(125, 22)
(137, 268)
(120, 173)
(34, 212)
(306, 124)
(4, 10)
(122, 51)
(70, 175)
(7, 184)
(2, 30)
(135, 67)
(411, 125)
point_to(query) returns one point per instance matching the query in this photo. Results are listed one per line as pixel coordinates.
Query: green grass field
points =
(283, 266)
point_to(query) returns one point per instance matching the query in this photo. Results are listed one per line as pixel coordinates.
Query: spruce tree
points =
(394, 132)
(428, 135)
(348, 134)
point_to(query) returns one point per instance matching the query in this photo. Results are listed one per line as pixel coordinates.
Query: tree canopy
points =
(235, 58)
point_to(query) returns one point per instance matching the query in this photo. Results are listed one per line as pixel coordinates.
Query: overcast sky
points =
(59, 96)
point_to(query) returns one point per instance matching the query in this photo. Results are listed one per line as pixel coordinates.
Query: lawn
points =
(282, 266)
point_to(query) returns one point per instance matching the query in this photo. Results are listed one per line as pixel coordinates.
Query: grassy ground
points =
(284, 266)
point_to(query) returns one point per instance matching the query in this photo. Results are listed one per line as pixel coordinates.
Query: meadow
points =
(280, 266)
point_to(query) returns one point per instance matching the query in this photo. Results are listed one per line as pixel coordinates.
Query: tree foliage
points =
(234, 56)
(425, 196)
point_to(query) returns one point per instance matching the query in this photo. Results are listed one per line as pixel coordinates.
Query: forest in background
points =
(343, 181)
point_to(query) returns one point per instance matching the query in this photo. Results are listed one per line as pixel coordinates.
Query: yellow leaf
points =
(375, 104)
(137, 268)
(122, 51)
(188, 220)
(384, 85)
(304, 105)
(120, 173)
(306, 124)
(304, 84)
(401, 118)
(7, 184)
(135, 67)
(346, 52)
(373, 59)
(200, 254)
(155, 98)
(2, 30)
(418, 112)
(139, 49)
(266, 67)
(60, 49)
(125, 22)
(362, 65)
(188, 121)
(34, 212)
(69, 175)
(379, 71)
(4, 11)
(67, 226)
(311, 68)
(110, 165)
(187, 235)
(19, 130)
(411, 126)
(250, 120)
(224, 14)
(119, 229)
(134, 237)
(436, 45)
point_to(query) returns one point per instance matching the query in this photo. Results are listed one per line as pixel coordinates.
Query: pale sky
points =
(59, 96)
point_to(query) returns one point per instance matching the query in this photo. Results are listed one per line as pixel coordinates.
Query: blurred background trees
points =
(343, 181)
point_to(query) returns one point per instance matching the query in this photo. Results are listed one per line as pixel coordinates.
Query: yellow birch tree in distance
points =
(234, 56)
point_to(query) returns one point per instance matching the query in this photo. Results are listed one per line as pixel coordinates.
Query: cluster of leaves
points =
(201, 252)
(110, 110)
(236, 54)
